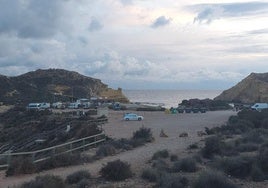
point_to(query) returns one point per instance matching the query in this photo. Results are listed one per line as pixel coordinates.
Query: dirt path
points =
(172, 125)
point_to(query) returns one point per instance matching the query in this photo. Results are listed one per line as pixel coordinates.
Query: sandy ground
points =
(172, 124)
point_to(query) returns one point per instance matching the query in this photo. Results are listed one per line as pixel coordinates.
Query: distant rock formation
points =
(54, 85)
(253, 88)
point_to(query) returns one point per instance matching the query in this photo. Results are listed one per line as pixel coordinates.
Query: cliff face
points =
(253, 88)
(53, 85)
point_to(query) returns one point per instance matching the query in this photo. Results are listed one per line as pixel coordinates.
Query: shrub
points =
(257, 174)
(150, 174)
(122, 143)
(160, 164)
(62, 160)
(105, 150)
(116, 171)
(144, 134)
(254, 136)
(239, 167)
(77, 176)
(264, 123)
(50, 181)
(160, 154)
(84, 183)
(213, 179)
(263, 158)
(213, 146)
(185, 165)
(20, 165)
(172, 181)
(173, 157)
(247, 147)
(193, 146)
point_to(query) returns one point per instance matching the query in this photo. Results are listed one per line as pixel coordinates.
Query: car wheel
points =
(127, 119)
(139, 119)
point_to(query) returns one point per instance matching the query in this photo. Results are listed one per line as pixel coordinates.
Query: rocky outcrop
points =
(54, 85)
(253, 88)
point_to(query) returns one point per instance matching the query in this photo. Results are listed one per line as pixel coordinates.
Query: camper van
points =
(33, 106)
(259, 106)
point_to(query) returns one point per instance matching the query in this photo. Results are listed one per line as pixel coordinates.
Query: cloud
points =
(126, 2)
(161, 21)
(95, 25)
(206, 13)
(259, 31)
(30, 18)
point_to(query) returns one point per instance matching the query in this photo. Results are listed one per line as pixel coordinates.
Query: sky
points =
(137, 44)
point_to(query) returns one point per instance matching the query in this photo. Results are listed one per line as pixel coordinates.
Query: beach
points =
(172, 124)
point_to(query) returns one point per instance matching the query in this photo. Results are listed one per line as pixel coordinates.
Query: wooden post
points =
(71, 147)
(84, 143)
(8, 158)
(33, 157)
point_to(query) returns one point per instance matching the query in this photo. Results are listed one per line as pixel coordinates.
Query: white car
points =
(132, 117)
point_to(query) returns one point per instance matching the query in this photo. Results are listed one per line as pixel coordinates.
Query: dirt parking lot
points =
(172, 124)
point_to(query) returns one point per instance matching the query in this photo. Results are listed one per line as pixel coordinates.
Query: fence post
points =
(84, 143)
(33, 157)
(8, 158)
(95, 141)
(71, 147)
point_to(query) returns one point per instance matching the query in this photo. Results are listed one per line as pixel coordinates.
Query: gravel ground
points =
(172, 124)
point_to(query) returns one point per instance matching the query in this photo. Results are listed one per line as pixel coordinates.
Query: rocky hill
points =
(253, 88)
(54, 85)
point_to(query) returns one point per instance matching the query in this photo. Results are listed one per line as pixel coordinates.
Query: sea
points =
(168, 98)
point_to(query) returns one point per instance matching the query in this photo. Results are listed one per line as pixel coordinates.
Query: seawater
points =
(169, 98)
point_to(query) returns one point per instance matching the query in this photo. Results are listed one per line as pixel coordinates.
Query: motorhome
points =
(259, 106)
(33, 106)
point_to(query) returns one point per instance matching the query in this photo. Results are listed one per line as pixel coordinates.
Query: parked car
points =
(132, 117)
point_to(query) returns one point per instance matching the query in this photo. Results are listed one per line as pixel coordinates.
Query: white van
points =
(33, 106)
(259, 106)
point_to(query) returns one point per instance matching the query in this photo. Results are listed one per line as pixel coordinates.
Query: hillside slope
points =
(54, 85)
(253, 88)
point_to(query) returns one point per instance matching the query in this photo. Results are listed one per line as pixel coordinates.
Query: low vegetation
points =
(116, 171)
(139, 138)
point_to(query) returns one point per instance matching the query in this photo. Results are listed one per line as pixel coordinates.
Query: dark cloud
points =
(210, 12)
(30, 18)
(95, 25)
(161, 21)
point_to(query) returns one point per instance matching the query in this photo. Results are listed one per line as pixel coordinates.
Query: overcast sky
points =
(137, 44)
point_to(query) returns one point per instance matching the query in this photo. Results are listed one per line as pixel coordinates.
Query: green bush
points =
(213, 145)
(84, 183)
(160, 154)
(185, 165)
(106, 150)
(239, 167)
(161, 165)
(20, 165)
(213, 179)
(173, 157)
(116, 171)
(144, 134)
(150, 174)
(263, 159)
(247, 147)
(50, 181)
(193, 146)
(62, 160)
(78, 176)
(172, 181)
(257, 173)
(253, 136)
